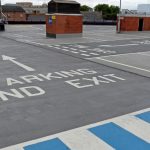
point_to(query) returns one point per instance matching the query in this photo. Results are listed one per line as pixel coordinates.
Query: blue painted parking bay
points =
(119, 138)
(128, 132)
(144, 116)
(54, 144)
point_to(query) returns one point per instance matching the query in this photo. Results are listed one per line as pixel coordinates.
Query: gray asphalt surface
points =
(65, 90)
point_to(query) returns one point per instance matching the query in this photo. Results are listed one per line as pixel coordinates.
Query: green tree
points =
(114, 9)
(102, 7)
(85, 8)
(108, 12)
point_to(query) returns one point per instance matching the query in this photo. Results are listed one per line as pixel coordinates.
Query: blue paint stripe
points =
(144, 116)
(54, 144)
(119, 138)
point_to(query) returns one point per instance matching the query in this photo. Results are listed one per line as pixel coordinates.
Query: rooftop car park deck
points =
(53, 91)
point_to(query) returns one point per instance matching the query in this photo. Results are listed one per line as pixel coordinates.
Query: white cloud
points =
(128, 4)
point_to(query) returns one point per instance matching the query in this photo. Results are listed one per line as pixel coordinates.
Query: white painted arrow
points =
(4, 57)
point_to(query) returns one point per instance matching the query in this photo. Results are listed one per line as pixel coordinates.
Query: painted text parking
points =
(94, 81)
(79, 78)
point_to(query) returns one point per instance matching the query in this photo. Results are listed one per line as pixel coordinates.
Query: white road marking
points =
(81, 46)
(57, 47)
(73, 49)
(94, 54)
(74, 52)
(20, 35)
(118, 45)
(28, 41)
(85, 55)
(146, 42)
(135, 126)
(83, 140)
(65, 50)
(37, 28)
(4, 57)
(129, 66)
(113, 55)
(83, 51)
(65, 47)
(49, 45)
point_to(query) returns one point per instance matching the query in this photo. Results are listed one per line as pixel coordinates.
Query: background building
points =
(30, 8)
(34, 12)
(14, 12)
(27, 12)
(127, 11)
(89, 16)
(144, 8)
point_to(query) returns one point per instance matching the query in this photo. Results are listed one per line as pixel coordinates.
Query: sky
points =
(126, 4)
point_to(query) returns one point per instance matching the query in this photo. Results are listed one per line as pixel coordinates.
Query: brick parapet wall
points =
(64, 24)
(131, 23)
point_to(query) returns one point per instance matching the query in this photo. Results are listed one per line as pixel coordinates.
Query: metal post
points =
(0, 10)
(120, 7)
(119, 17)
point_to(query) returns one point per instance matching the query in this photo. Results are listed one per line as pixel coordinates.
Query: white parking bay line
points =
(85, 55)
(74, 52)
(20, 35)
(129, 66)
(123, 45)
(136, 126)
(65, 50)
(113, 55)
(83, 51)
(73, 49)
(94, 54)
(84, 140)
(49, 45)
(57, 47)
(65, 47)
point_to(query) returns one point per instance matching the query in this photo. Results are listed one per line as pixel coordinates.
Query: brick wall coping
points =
(133, 15)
